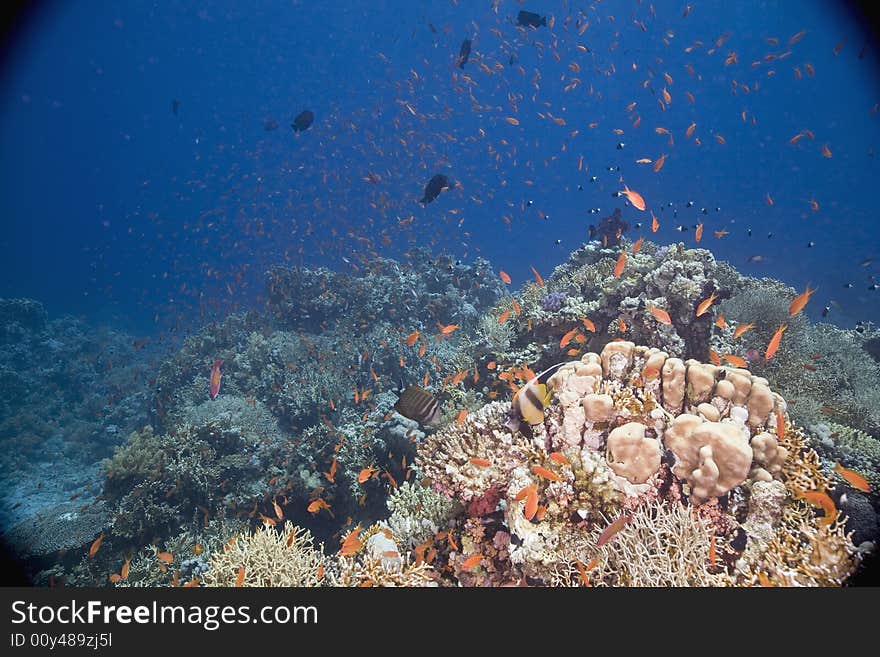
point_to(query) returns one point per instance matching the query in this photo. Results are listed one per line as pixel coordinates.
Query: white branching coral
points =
(269, 557)
(417, 513)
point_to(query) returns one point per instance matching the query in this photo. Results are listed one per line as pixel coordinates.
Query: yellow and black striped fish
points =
(530, 401)
(419, 405)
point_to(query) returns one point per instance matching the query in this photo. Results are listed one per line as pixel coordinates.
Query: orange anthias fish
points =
(714, 357)
(317, 505)
(589, 325)
(472, 561)
(166, 557)
(504, 277)
(215, 379)
(411, 338)
(698, 233)
(635, 198)
(800, 301)
(538, 279)
(567, 337)
(352, 543)
(720, 322)
(854, 479)
(480, 462)
(824, 502)
(621, 263)
(742, 328)
(736, 361)
(446, 330)
(503, 316)
(704, 305)
(584, 570)
(363, 476)
(774, 342)
(530, 495)
(239, 579)
(462, 414)
(638, 245)
(96, 545)
(545, 473)
(612, 529)
(659, 314)
(559, 457)
(780, 425)
(655, 224)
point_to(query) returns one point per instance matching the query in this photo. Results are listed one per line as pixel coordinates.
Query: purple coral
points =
(553, 301)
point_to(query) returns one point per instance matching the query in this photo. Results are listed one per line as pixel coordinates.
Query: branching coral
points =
(661, 545)
(417, 513)
(268, 557)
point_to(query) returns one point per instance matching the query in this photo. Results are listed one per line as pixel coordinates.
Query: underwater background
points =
(223, 262)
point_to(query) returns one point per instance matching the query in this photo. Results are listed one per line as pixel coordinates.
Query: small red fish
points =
(612, 529)
(659, 314)
(530, 495)
(621, 263)
(352, 543)
(545, 473)
(504, 276)
(479, 462)
(774, 342)
(472, 561)
(538, 279)
(854, 479)
(216, 375)
(96, 545)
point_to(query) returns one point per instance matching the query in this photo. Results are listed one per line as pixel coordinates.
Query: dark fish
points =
(419, 405)
(302, 121)
(175, 105)
(432, 190)
(270, 124)
(464, 53)
(528, 18)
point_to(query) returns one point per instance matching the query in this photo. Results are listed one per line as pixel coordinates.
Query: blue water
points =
(119, 209)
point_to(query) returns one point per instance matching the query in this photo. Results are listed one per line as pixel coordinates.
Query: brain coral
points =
(626, 430)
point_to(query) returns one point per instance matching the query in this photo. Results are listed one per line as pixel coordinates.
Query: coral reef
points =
(647, 470)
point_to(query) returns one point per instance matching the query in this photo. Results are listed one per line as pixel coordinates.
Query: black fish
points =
(464, 53)
(419, 405)
(175, 105)
(302, 121)
(432, 190)
(528, 18)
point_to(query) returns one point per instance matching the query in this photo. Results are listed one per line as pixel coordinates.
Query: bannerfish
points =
(215, 379)
(464, 53)
(530, 401)
(419, 405)
(528, 18)
(432, 190)
(303, 120)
